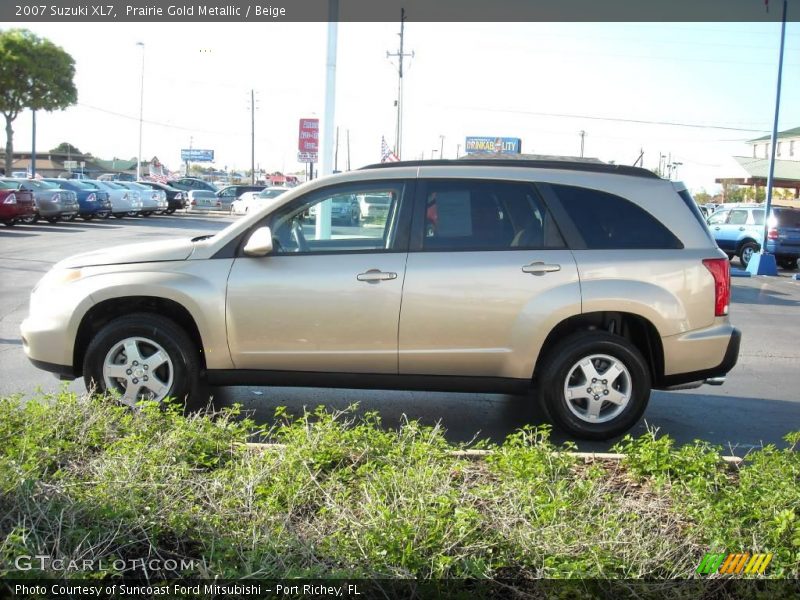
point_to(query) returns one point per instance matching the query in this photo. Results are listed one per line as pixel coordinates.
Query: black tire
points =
(553, 374)
(71, 217)
(146, 214)
(10, 223)
(87, 217)
(52, 219)
(120, 215)
(169, 211)
(176, 343)
(790, 264)
(746, 252)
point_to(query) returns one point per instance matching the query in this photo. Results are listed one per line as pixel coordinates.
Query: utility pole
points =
(33, 144)
(583, 135)
(336, 152)
(252, 137)
(348, 149)
(400, 55)
(441, 147)
(458, 150)
(141, 108)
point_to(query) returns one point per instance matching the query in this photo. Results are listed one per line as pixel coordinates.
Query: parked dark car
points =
(92, 202)
(783, 236)
(175, 197)
(15, 204)
(188, 184)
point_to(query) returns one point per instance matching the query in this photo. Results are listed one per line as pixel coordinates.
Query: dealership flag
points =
(386, 153)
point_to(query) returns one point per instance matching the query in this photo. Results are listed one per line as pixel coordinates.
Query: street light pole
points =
(141, 108)
(764, 263)
(441, 147)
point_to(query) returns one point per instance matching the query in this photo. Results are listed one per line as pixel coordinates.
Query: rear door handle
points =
(540, 268)
(375, 276)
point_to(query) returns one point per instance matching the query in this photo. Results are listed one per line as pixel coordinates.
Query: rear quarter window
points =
(609, 222)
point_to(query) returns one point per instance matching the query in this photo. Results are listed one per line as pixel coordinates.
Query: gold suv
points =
(585, 285)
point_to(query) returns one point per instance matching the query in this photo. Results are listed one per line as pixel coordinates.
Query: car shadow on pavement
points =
(736, 424)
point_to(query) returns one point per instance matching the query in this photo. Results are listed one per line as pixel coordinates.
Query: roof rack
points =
(525, 164)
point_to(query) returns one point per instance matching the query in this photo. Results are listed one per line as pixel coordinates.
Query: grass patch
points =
(84, 479)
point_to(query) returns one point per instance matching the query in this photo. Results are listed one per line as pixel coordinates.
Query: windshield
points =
(271, 193)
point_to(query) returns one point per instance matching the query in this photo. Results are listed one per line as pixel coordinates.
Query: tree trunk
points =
(9, 146)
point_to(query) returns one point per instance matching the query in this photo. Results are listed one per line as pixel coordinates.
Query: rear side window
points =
(486, 215)
(788, 218)
(738, 217)
(758, 217)
(608, 222)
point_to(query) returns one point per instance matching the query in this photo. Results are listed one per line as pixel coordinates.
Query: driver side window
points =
(347, 218)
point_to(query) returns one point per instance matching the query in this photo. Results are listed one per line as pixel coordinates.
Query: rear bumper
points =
(703, 346)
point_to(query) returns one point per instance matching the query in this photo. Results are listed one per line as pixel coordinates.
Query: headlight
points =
(57, 277)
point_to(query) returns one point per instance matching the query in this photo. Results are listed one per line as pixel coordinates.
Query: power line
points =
(158, 123)
(614, 119)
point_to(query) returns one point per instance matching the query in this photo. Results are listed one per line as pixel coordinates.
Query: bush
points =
(340, 496)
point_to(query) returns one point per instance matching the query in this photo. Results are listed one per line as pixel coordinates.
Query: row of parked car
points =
(56, 199)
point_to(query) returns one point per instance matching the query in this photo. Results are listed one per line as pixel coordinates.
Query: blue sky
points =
(493, 79)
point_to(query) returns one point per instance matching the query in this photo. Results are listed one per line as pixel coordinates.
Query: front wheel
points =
(594, 385)
(142, 357)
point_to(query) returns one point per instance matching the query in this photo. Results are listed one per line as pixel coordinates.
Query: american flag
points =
(157, 171)
(386, 153)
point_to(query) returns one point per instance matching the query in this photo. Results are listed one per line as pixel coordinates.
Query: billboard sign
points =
(197, 155)
(494, 145)
(308, 140)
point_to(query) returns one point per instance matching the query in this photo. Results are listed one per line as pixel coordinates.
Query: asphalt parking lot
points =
(758, 404)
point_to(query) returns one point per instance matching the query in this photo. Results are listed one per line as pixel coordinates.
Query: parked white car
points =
(256, 200)
(123, 202)
(153, 201)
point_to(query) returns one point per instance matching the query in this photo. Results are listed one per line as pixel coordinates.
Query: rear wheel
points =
(52, 219)
(119, 215)
(790, 264)
(87, 217)
(71, 217)
(10, 223)
(746, 252)
(594, 385)
(28, 219)
(142, 357)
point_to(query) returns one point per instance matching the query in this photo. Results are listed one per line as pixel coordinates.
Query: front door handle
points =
(716, 228)
(375, 276)
(741, 228)
(540, 268)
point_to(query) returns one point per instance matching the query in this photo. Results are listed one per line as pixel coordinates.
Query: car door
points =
(322, 302)
(488, 276)
(719, 229)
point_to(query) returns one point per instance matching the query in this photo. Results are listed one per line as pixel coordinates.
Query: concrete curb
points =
(740, 273)
(731, 461)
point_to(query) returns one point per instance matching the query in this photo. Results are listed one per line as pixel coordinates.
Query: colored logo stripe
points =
(734, 563)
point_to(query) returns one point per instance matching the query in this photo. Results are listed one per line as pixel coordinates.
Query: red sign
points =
(308, 139)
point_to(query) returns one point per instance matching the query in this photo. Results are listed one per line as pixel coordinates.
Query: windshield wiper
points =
(200, 238)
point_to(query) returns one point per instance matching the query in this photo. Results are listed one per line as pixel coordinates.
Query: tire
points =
(28, 220)
(10, 223)
(562, 368)
(120, 215)
(87, 217)
(146, 214)
(177, 376)
(71, 217)
(746, 252)
(169, 211)
(52, 220)
(790, 264)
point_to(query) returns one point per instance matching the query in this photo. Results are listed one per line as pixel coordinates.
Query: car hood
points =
(132, 253)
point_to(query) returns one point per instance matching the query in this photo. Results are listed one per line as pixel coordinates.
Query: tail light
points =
(91, 198)
(124, 197)
(178, 196)
(772, 234)
(193, 202)
(720, 269)
(56, 198)
(10, 199)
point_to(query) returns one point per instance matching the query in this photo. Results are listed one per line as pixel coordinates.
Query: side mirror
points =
(260, 242)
